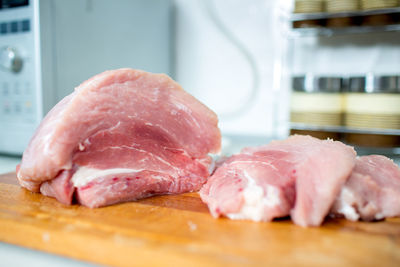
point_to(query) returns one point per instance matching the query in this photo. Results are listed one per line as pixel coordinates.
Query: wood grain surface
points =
(179, 231)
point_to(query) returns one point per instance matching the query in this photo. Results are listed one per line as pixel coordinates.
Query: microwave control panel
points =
(18, 94)
(48, 47)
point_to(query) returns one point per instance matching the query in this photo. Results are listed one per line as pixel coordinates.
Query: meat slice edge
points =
(372, 192)
(314, 171)
(319, 180)
(251, 187)
(112, 189)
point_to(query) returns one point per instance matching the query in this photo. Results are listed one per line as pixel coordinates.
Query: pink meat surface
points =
(249, 186)
(372, 192)
(300, 176)
(121, 135)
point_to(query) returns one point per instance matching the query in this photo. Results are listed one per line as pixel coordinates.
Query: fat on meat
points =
(372, 192)
(300, 176)
(121, 135)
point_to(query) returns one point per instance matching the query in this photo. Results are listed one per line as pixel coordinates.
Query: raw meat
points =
(372, 192)
(300, 176)
(120, 136)
(251, 186)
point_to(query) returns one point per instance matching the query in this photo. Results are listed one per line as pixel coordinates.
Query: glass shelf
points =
(343, 129)
(325, 31)
(321, 30)
(392, 151)
(328, 15)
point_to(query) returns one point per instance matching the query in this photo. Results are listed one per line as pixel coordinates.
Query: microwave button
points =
(14, 26)
(28, 107)
(3, 28)
(16, 88)
(10, 59)
(6, 108)
(5, 89)
(25, 25)
(17, 108)
(27, 88)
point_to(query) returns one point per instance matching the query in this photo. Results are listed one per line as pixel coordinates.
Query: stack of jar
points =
(315, 6)
(334, 6)
(347, 6)
(317, 101)
(370, 104)
(373, 102)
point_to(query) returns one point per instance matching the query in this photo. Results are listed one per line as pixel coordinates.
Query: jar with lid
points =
(316, 102)
(308, 6)
(334, 6)
(379, 19)
(372, 103)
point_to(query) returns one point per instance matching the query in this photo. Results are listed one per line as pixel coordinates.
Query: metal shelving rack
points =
(322, 31)
(327, 15)
(344, 129)
(328, 31)
(325, 31)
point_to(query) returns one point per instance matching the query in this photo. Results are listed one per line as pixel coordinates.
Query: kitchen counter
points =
(177, 208)
(12, 255)
(178, 229)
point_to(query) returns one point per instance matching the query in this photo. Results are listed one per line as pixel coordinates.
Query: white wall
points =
(212, 68)
(357, 54)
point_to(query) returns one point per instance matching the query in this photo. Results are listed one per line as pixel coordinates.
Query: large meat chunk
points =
(372, 192)
(300, 176)
(121, 135)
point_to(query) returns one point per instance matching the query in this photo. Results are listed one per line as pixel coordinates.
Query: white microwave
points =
(48, 47)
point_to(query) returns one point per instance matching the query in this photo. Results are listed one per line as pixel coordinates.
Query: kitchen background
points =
(267, 67)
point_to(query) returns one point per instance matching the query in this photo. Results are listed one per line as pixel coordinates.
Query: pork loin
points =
(121, 135)
(300, 176)
(372, 192)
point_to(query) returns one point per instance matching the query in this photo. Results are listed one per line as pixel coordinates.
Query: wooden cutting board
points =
(179, 231)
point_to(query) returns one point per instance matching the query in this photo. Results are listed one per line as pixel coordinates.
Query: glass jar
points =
(316, 102)
(334, 6)
(378, 4)
(308, 6)
(373, 103)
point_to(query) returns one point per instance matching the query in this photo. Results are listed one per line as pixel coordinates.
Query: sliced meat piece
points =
(251, 186)
(372, 192)
(300, 176)
(119, 131)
